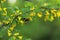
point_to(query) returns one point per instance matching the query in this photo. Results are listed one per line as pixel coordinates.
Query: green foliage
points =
(37, 29)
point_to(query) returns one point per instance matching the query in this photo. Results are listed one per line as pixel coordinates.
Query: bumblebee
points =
(25, 19)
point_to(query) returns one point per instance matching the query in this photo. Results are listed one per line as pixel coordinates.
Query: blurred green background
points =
(37, 29)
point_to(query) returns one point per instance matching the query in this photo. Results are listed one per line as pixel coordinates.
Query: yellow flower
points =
(46, 18)
(58, 14)
(39, 15)
(52, 18)
(21, 21)
(12, 27)
(30, 18)
(53, 12)
(17, 11)
(19, 18)
(32, 8)
(10, 19)
(32, 14)
(47, 13)
(16, 34)
(6, 22)
(4, 9)
(0, 9)
(9, 33)
(20, 37)
(20, 13)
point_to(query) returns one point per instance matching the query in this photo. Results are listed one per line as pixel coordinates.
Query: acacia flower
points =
(21, 21)
(6, 21)
(39, 14)
(32, 14)
(58, 14)
(46, 18)
(19, 18)
(4, 9)
(20, 37)
(30, 18)
(17, 11)
(12, 27)
(20, 13)
(16, 34)
(47, 13)
(51, 18)
(9, 33)
(53, 12)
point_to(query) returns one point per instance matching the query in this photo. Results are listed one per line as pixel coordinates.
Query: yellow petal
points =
(13, 25)
(58, 14)
(17, 11)
(21, 21)
(52, 18)
(16, 34)
(46, 18)
(47, 13)
(4, 9)
(11, 28)
(20, 13)
(30, 18)
(19, 18)
(9, 33)
(39, 15)
(20, 37)
(6, 22)
(32, 14)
